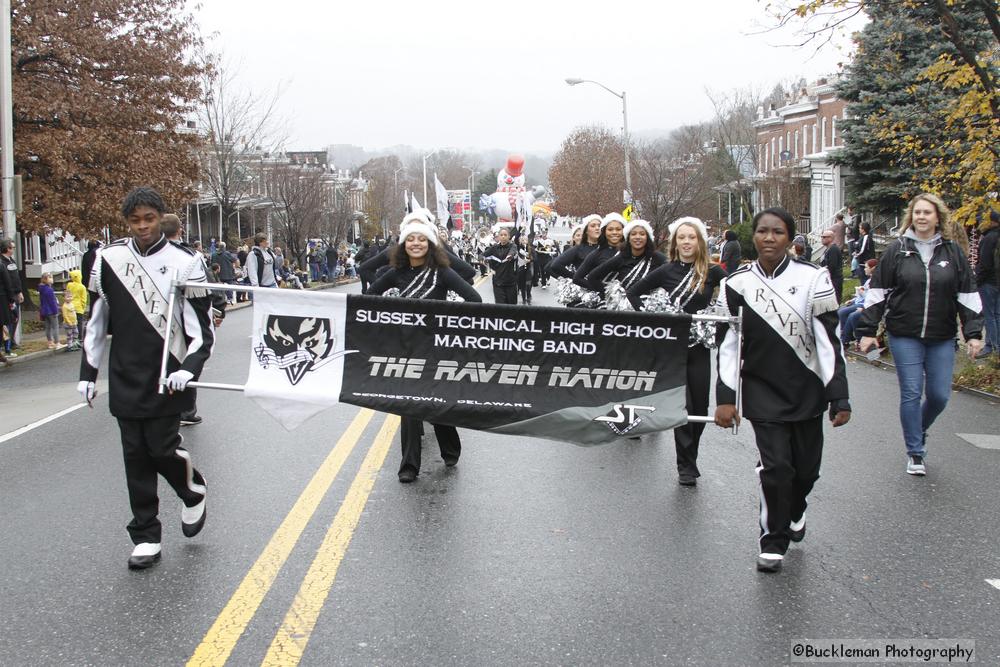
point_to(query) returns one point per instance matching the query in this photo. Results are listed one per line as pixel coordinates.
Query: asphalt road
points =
(528, 552)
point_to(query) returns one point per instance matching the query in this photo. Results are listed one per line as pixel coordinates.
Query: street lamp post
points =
(472, 185)
(621, 96)
(425, 174)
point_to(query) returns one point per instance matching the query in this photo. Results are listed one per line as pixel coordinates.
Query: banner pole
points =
(739, 368)
(217, 385)
(171, 299)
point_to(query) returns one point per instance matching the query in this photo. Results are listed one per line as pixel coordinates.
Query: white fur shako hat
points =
(417, 223)
(613, 217)
(694, 222)
(639, 223)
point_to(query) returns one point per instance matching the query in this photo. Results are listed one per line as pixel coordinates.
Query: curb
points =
(20, 359)
(887, 365)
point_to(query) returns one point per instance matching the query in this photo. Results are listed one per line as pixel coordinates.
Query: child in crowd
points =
(48, 310)
(69, 320)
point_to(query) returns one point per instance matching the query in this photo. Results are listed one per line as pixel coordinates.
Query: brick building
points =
(794, 143)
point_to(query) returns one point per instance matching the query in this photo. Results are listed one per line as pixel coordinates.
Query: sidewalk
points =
(30, 340)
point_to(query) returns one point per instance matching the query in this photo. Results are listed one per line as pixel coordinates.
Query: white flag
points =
(442, 201)
(297, 353)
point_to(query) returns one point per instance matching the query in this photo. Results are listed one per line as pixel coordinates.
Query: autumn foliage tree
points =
(101, 89)
(588, 173)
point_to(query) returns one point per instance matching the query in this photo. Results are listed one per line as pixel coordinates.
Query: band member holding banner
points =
(792, 372)
(420, 271)
(369, 270)
(689, 280)
(131, 280)
(632, 263)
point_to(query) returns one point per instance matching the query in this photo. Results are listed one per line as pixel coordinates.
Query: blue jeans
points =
(990, 295)
(849, 316)
(922, 366)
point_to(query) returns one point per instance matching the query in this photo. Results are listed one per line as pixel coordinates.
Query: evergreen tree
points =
(892, 136)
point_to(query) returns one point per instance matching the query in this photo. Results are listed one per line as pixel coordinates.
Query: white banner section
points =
(297, 353)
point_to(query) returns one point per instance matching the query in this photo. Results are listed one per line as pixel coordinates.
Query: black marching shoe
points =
(797, 530)
(193, 518)
(144, 555)
(407, 476)
(191, 420)
(769, 562)
(687, 480)
(450, 461)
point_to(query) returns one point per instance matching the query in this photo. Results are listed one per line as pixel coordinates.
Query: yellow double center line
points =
(220, 640)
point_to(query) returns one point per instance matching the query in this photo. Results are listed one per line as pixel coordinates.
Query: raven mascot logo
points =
(296, 345)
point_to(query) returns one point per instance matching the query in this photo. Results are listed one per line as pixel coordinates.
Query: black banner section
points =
(581, 376)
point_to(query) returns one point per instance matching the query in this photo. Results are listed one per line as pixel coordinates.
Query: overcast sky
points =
(491, 74)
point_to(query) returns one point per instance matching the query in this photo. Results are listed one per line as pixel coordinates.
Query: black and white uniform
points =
(545, 250)
(424, 283)
(678, 279)
(503, 260)
(793, 370)
(369, 270)
(600, 254)
(566, 264)
(130, 289)
(624, 267)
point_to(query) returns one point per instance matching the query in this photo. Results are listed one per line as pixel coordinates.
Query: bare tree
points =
(383, 201)
(299, 197)
(241, 126)
(674, 178)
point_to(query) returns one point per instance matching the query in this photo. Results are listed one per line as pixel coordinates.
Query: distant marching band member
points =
(502, 258)
(420, 271)
(690, 280)
(793, 370)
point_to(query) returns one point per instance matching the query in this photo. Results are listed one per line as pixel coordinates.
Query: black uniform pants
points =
(541, 274)
(505, 293)
(193, 412)
(153, 446)
(687, 437)
(524, 283)
(790, 454)
(410, 431)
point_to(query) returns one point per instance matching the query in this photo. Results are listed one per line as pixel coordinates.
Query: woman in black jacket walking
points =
(922, 284)
(420, 271)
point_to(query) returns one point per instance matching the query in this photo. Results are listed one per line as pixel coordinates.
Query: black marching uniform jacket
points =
(424, 283)
(624, 267)
(129, 292)
(566, 264)
(793, 363)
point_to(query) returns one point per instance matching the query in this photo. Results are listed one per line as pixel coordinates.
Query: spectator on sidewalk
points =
(865, 249)
(260, 263)
(988, 280)
(833, 261)
(851, 313)
(69, 321)
(80, 299)
(227, 267)
(731, 252)
(13, 293)
(48, 310)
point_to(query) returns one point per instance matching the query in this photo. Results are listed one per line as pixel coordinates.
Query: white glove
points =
(88, 390)
(177, 381)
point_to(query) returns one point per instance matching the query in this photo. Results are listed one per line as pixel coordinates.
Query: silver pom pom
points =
(615, 297)
(567, 291)
(658, 301)
(453, 296)
(394, 291)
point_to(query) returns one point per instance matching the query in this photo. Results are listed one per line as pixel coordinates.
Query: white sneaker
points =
(767, 562)
(915, 465)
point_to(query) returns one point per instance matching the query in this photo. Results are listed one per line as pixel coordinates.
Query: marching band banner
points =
(582, 376)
